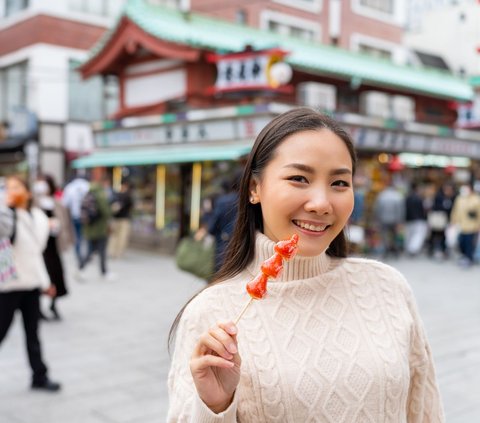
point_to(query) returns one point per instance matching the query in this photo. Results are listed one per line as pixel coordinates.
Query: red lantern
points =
(395, 165)
(450, 169)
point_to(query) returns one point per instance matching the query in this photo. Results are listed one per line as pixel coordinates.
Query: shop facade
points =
(195, 92)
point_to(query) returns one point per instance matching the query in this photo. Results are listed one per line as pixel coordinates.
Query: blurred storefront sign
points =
(251, 70)
(401, 141)
(184, 132)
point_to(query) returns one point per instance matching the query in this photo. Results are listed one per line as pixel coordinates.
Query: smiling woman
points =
(300, 191)
(336, 339)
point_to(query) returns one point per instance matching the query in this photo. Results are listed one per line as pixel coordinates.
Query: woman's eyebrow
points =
(301, 166)
(341, 171)
(310, 169)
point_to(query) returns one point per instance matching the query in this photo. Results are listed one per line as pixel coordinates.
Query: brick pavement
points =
(110, 350)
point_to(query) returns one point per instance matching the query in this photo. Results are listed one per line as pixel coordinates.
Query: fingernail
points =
(232, 348)
(232, 329)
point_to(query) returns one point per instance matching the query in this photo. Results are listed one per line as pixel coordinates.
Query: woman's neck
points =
(300, 267)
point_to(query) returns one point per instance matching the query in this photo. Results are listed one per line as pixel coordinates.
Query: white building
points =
(458, 45)
(451, 30)
(41, 43)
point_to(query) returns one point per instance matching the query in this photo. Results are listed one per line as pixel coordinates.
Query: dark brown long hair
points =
(241, 248)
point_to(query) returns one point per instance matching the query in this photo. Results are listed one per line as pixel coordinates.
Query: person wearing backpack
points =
(95, 215)
(22, 292)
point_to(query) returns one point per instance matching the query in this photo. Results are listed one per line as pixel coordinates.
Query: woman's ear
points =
(254, 191)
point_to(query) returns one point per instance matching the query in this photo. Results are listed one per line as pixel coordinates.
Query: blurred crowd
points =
(38, 223)
(439, 222)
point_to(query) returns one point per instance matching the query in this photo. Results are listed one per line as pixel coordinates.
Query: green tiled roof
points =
(212, 34)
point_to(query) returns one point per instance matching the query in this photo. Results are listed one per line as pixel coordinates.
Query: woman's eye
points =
(341, 183)
(297, 178)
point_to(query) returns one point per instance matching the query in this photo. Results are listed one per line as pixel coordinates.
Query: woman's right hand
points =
(215, 366)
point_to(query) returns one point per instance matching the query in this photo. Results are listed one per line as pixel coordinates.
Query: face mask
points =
(40, 188)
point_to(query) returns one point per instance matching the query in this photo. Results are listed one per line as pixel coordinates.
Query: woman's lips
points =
(310, 226)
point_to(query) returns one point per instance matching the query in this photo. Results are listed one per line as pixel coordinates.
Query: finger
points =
(206, 361)
(229, 327)
(220, 334)
(209, 343)
(232, 329)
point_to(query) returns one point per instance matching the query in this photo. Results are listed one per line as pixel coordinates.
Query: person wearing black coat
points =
(415, 221)
(222, 221)
(439, 217)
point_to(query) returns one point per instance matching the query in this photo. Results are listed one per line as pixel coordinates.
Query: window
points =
(290, 30)
(308, 5)
(13, 89)
(375, 51)
(110, 8)
(93, 99)
(393, 12)
(377, 47)
(14, 6)
(289, 25)
(384, 6)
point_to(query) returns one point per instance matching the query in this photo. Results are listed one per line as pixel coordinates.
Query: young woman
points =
(22, 293)
(337, 339)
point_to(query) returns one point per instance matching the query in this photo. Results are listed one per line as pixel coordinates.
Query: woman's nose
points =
(318, 202)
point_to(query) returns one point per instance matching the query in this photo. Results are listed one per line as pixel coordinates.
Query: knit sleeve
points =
(424, 403)
(185, 406)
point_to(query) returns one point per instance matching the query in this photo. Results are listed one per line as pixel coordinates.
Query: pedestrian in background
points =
(29, 239)
(389, 213)
(222, 220)
(122, 207)
(338, 339)
(466, 215)
(95, 223)
(438, 220)
(416, 227)
(60, 238)
(73, 194)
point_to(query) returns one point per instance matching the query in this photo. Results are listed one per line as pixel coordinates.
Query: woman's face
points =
(306, 189)
(16, 194)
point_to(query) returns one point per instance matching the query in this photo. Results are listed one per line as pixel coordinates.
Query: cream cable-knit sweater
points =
(335, 341)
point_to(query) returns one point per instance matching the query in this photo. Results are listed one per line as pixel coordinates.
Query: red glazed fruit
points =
(272, 266)
(257, 288)
(287, 249)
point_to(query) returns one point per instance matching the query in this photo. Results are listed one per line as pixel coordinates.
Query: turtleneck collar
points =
(297, 268)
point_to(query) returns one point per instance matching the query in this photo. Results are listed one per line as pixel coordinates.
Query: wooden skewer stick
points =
(244, 309)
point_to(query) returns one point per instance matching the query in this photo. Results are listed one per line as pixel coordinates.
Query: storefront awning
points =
(161, 156)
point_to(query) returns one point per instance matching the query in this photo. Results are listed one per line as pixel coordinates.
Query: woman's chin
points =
(310, 252)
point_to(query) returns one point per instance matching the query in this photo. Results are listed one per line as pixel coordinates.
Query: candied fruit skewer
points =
(272, 267)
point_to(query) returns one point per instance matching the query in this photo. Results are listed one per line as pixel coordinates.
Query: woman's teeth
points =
(310, 227)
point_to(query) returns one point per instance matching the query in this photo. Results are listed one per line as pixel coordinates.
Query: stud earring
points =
(252, 200)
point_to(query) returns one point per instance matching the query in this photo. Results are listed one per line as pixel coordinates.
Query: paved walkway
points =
(110, 350)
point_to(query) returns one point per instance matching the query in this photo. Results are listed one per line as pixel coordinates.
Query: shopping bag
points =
(451, 236)
(7, 268)
(437, 220)
(196, 256)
